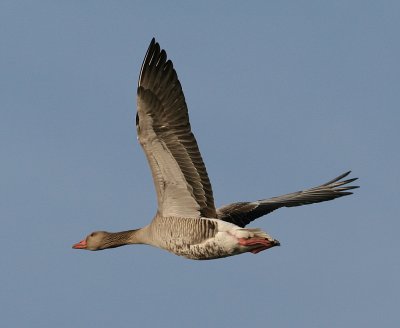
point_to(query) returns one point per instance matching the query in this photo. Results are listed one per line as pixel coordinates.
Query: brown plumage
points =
(187, 222)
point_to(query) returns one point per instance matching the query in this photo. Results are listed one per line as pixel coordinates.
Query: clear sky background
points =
(283, 95)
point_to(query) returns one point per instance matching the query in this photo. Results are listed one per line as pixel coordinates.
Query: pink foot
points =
(261, 244)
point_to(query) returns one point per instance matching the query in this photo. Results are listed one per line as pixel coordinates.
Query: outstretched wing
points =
(243, 213)
(162, 121)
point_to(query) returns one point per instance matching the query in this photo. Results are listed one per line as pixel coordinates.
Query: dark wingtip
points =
(350, 180)
(153, 47)
(343, 175)
(351, 187)
(340, 177)
(152, 42)
(345, 193)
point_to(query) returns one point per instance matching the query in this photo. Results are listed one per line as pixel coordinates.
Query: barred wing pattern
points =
(162, 121)
(243, 213)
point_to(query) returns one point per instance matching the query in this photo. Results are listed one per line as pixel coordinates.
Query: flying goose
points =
(187, 222)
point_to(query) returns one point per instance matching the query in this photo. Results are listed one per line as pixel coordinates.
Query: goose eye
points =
(92, 234)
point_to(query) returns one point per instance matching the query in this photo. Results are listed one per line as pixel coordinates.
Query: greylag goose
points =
(187, 222)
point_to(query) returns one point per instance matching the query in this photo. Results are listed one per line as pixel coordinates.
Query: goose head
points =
(97, 240)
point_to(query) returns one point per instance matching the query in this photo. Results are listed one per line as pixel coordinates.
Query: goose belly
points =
(198, 239)
(222, 245)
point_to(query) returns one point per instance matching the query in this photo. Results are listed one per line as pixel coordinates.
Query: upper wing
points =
(243, 213)
(162, 121)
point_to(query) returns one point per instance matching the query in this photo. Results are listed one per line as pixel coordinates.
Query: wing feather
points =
(180, 176)
(242, 213)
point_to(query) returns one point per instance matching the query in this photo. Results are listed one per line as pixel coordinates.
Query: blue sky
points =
(283, 95)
